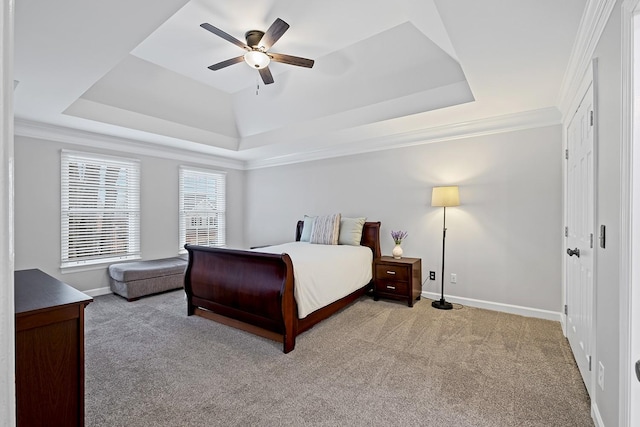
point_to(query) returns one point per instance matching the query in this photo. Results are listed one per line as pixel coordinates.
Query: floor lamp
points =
(445, 197)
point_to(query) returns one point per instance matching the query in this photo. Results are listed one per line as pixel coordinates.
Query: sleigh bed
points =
(254, 291)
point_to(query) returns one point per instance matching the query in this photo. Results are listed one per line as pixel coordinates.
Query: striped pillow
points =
(326, 230)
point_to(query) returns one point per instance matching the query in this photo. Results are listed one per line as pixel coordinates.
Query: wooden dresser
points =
(49, 351)
(397, 279)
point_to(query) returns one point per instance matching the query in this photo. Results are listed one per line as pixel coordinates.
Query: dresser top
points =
(36, 290)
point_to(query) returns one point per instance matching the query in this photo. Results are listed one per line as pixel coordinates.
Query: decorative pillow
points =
(351, 231)
(326, 230)
(307, 226)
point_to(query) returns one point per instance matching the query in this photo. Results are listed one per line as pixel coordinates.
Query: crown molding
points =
(482, 127)
(83, 138)
(594, 19)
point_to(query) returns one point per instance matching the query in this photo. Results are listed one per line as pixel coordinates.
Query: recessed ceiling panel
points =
(144, 89)
(316, 29)
(397, 63)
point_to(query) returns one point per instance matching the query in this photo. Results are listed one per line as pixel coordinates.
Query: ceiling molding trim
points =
(594, 19)
(483, 127)
(83, 138)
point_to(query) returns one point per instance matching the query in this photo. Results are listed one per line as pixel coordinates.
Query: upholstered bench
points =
(133, 280)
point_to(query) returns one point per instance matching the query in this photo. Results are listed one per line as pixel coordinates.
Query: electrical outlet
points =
(454, 278)
(432, 275)
(601, 375)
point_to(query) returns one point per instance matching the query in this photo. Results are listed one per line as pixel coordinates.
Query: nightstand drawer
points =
(392, 272)
(392, 287)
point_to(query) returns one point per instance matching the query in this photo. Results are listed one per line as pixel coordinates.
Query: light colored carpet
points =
(372, 364)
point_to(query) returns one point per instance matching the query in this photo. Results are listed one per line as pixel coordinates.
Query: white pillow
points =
(326, 229)
(351, 231)
(307, 226)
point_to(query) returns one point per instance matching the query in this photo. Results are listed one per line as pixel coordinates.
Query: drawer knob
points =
(391, 272)
(390, 287)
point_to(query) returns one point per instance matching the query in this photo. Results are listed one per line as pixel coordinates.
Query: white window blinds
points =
(100, 208)
(202, 207)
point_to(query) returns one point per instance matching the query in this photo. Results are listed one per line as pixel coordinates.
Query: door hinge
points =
(566, 310)
(589, 363)
(591, 240)
(591, 118)
(566, 154)
(566, 232)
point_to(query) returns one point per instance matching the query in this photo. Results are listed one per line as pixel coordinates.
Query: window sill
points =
(94, 265)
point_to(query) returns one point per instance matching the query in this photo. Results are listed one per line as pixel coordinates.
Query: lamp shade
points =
(445, 196)
(257, 59)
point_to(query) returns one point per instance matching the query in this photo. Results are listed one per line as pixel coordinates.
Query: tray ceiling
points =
(381, 68)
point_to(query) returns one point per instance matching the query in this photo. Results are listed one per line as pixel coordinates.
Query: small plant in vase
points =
(398, 237)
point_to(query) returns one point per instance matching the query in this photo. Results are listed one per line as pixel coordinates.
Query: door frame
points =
(629, 351)
(7, 312)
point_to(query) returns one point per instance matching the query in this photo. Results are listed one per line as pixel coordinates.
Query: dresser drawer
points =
(392, 287)
(392, 272)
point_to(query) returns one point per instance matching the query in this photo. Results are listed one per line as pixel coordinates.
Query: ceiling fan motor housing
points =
(253, 37)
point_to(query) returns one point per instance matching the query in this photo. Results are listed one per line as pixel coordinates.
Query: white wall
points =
(608, 105)
(503, 242)
(37, 220)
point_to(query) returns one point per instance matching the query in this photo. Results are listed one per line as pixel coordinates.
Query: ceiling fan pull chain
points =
(257, 85)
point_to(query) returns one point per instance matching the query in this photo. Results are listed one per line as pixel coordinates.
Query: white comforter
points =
(325, 273)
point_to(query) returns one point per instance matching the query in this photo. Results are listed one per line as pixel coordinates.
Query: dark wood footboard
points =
(245, 287)
(254, 291)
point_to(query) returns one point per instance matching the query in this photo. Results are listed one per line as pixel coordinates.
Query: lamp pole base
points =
(442, 305)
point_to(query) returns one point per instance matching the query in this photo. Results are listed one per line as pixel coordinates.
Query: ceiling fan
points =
(257, 47)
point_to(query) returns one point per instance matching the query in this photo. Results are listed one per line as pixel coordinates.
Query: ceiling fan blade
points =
(265, 73)
(227, 37)
(226, 63)
(275, 31)
(291, 60)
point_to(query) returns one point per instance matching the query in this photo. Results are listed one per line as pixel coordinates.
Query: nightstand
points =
(397, 278)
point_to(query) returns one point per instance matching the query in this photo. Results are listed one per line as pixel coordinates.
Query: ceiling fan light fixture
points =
(257, 59)
(257, 47)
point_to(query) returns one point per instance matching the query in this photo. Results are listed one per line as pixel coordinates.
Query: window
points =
(202, 207)
(100, 209)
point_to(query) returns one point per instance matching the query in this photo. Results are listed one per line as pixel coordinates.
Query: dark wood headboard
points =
(370, 236)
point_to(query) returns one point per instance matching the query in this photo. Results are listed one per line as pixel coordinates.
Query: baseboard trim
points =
(98, 291)
(496, 306)
(488, 305)
(595, 415)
